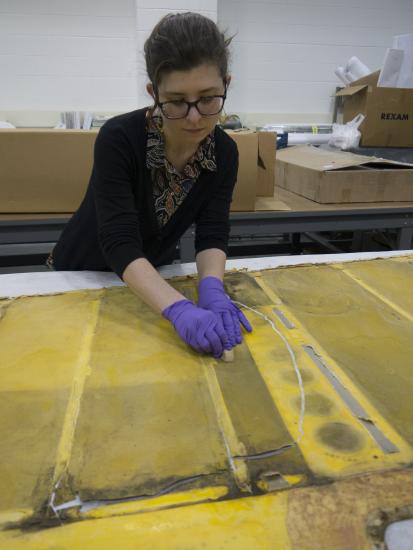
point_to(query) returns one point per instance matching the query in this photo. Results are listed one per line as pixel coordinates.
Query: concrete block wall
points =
(62, 55)
(285, 51)
(88, 54)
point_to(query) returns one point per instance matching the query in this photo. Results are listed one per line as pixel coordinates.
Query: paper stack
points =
(70, 119)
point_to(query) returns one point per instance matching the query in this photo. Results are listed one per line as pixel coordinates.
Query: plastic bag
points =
(347, 136)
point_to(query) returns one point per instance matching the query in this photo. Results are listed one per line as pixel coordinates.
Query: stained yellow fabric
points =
(365, 336)
(238, 524)
(38, 357)
(388, 278)
(341, 515)
(146, 393)
(100, 400)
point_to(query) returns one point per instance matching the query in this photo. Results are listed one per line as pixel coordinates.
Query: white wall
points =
(58, 55)
(88, 54)
(285, 51)
(67, 54)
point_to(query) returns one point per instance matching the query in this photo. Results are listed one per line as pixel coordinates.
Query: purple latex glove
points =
(201, 329)
(211, 296)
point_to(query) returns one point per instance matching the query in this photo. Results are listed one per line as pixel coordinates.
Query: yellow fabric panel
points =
(147, 420)
(253, 412)
(335, 442)
(104, 401)
(371, 342)
(345, 514)
(242, 524)
(36, 371)
(390, 279)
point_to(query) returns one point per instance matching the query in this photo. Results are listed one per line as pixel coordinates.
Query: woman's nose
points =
(193, 114)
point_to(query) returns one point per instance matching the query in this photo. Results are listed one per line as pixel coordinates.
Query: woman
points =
(156, 171)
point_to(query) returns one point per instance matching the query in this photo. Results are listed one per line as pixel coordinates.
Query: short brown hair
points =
(183, 41)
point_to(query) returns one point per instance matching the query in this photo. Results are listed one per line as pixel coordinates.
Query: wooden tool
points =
(228, 355)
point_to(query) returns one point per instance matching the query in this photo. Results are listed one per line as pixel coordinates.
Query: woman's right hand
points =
(201, 329)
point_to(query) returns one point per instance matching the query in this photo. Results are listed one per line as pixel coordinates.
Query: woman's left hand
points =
(211, 295)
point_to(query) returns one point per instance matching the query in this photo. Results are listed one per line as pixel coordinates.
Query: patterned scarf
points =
(170, 187)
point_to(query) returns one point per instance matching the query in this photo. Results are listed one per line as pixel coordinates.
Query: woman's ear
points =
(149, 89)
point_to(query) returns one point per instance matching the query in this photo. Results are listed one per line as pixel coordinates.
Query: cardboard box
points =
(43, 170)
(243, 198)
(47, 171)
(388, 111)
(267, 145)
(339, 177)
(256, 170)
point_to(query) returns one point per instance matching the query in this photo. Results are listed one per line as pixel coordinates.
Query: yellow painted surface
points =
(386, 279)
(349, 448)
(102, 404)
(38, 362)
(145, 394)
(158, 503)
(364, 336)
(241, 523)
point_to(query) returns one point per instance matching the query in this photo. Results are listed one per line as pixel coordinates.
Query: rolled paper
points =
(340, 73)
(357, 68)
(302, 139)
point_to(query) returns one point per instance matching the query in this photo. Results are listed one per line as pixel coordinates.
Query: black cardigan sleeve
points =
(117, 217)
(212, 224)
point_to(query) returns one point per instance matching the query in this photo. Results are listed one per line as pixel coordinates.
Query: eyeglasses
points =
(206, 106)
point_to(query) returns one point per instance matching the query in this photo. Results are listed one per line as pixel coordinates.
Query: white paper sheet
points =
(390, 72)
(13, 285)
(405, 42)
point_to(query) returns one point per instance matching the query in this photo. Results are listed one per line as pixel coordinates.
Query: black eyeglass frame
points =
(190, 104)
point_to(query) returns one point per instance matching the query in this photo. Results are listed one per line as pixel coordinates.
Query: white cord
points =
(294, 361)
(52, 500)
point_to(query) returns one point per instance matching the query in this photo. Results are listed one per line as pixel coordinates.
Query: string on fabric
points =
(294, 362)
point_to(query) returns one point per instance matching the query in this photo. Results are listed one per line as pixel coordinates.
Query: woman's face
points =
(190, 85)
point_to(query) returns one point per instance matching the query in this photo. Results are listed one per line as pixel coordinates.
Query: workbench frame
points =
(22, 239)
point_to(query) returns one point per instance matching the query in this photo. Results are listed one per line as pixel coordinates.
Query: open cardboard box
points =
(47, 170)
(340, 177)
(388, 112)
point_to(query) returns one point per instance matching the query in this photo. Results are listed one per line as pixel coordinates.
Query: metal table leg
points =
(296, 243)
(404, 238)
(357, 242)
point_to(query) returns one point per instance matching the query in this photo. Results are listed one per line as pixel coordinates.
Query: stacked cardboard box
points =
(47, 171)
(43, 170)
(256, 171)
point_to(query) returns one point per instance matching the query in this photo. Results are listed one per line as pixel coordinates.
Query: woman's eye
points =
(207, 99)
(177, 102)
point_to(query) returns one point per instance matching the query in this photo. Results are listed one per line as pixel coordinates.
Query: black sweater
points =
(116, 222)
